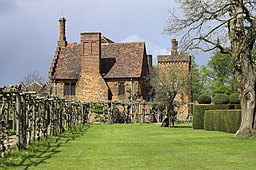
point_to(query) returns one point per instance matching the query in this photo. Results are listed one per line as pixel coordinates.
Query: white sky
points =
(30, 28)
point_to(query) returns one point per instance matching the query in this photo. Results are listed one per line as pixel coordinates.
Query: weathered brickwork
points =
(96, 66)
(132, 88)
(184, 63)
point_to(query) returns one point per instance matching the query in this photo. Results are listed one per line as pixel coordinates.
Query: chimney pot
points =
(174, 50)
(62, 38)
(149, 58)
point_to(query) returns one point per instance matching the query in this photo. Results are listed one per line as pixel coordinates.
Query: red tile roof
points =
(68, 64)
(122, 60)
(118, 60)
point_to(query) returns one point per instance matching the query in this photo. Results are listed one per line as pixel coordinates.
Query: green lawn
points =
(138, 146)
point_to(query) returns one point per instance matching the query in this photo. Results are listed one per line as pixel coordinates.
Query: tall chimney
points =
(62, 38)
(90, 52)
(174, 50)
(149, 59)
(91, 86)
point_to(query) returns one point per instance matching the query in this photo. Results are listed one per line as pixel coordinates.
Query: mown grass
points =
(137, 146)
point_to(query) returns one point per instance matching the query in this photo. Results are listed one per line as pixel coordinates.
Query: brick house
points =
(98, 68)
(182, 61)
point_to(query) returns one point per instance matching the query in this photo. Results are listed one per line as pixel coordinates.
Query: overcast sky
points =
(30, 28)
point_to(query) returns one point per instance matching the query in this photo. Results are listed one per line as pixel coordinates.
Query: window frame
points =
(121, 88)
(69, 89)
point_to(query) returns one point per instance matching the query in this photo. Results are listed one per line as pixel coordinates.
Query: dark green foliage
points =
(197, 83)
(198, 113)
(234, 106)
(221, 99)
(204, 99)
(96, 108)
(234, 98)
(222, 120)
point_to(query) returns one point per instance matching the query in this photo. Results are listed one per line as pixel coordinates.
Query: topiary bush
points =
(198, 113)
(234, 98)
(204, 99)
(221, 99)
(222, 120)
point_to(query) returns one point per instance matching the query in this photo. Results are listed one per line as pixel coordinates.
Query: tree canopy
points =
(32, 78)
(168, 83)
(208, 25)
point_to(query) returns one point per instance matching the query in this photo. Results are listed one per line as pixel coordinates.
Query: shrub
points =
(234, 106)
(221, 99)
(234, 98)
(204, 99)
(97, 108)
(198, 113)
(222, 120)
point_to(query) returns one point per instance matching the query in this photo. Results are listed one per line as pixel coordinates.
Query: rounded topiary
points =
(204, 99)
(234, 98)
(221, 99)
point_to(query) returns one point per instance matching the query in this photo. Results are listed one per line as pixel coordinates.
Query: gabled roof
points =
(34, 87)
(118, 60)
(68, 66)
(122, 60)
(45, 89)
(105, 40)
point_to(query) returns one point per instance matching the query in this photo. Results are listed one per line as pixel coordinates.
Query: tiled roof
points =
(122, 60)
(118, 60)
(106, 40)
(68, 66)
(34, 87)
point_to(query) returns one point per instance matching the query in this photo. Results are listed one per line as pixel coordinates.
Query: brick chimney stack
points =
(149, 59)
(174, 50)
(91, 85)
(90, 52)
(62, 38)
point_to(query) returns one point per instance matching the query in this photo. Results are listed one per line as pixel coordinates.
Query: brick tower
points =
(180, 61)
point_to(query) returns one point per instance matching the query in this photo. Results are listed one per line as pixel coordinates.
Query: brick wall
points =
(183, 62)
(113, 86)
(91, 86)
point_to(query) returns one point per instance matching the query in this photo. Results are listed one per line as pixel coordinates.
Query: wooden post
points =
(2, 129)
(34, 119)
(18, 115)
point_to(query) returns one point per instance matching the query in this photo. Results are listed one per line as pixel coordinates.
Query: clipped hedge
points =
(221, 99)
(222, 120)
(204, 99)
(234, 98)
(234, 106)
(198, 113)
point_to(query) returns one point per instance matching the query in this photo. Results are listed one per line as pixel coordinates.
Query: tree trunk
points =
(246, 79)
(242, 40)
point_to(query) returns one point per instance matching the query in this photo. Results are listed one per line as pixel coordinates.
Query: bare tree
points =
(170, 83)
(227, 25)
(33, 77)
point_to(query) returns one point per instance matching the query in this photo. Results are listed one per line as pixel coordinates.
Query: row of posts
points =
(25, 117)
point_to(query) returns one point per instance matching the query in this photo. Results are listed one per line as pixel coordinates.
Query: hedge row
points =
(222, 120)
(198, 113)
